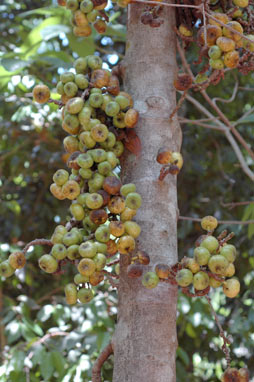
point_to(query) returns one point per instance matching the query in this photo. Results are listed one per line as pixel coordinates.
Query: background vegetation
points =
(43, 339)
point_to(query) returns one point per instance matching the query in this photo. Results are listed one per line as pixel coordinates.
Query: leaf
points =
(58, 362)
(183, 356)
(46, 366)
(83, 47)
(13, 64)
(54, 31)
(132, 142)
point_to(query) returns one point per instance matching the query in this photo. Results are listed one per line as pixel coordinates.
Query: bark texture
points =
(145, 340)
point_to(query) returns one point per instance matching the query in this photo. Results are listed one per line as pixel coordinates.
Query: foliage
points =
(37, 43)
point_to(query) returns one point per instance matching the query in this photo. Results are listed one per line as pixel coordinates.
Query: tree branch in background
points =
(104, 355)
(236, 204)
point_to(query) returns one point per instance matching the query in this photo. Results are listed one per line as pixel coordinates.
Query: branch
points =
(228, 135)
(236, 204)
(198, 123)
(246, 222)
(104, 355)
(37, 242)
(226, 340)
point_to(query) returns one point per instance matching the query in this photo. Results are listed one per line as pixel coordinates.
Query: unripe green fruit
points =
(77, 211)
(70, 293)
(87, 249)
(231, 287)
(118, 149)
(102, 234)
(132, 229)
(60, 177)
(72, 122)
(78, 232)
(88, 224)
(133, 200)
(127, 214)
(94, 62)
(184, 277)
(84, 116)
(73, 252)
(86, 173)
(210, 243)
(100, 261)
(150, 280)
(86, 6)
(241, 3)
(81, 199)
(17, 260)
(87, 139)
(67, 77)
(202, 255)
(119, 120)
(229, 252)
(112, 109)
(216, 63)
(72, 4)
(60, 88)
(80, 279)
(214, 52)
(209, 223)
(6, 269)
(247, 44)
(94, 201)
(99, 155)
(109, 142)
(214, 283)
(127, 188)
(70, 89)
(74, 105)
(59, 251)
(60, 229)
(86, 267)
(112, 159)
(100, 247)
(106, 99)
(81, 81)
(70, 238)
(80, 66)
(201, 280)
(123, 101)
(91, 16)
(48, 263)
(218, 264)
(85, 160)
(56, 238)
(95, 100)
(201, 78)
(85, 295)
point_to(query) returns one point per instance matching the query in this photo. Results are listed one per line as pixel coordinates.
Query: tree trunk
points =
(145, 340)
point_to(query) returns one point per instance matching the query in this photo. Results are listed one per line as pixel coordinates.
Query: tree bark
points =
(145, 340)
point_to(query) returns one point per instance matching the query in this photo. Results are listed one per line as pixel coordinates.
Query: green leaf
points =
(183, 356)
(13, 64)
(190, 331)
(58, 362)
(46, 366)
(54, 31)
(83, 47)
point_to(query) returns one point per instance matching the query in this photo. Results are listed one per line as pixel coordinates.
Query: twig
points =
(48, 295)
(37, 242)
(226, 341)
(113, 263)
(228, 135)
(236, 204)
(246, 222)
(198, 123)
(167, 4)
(104, 355)
(179, 104)
(231, 99)
(56, 102)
